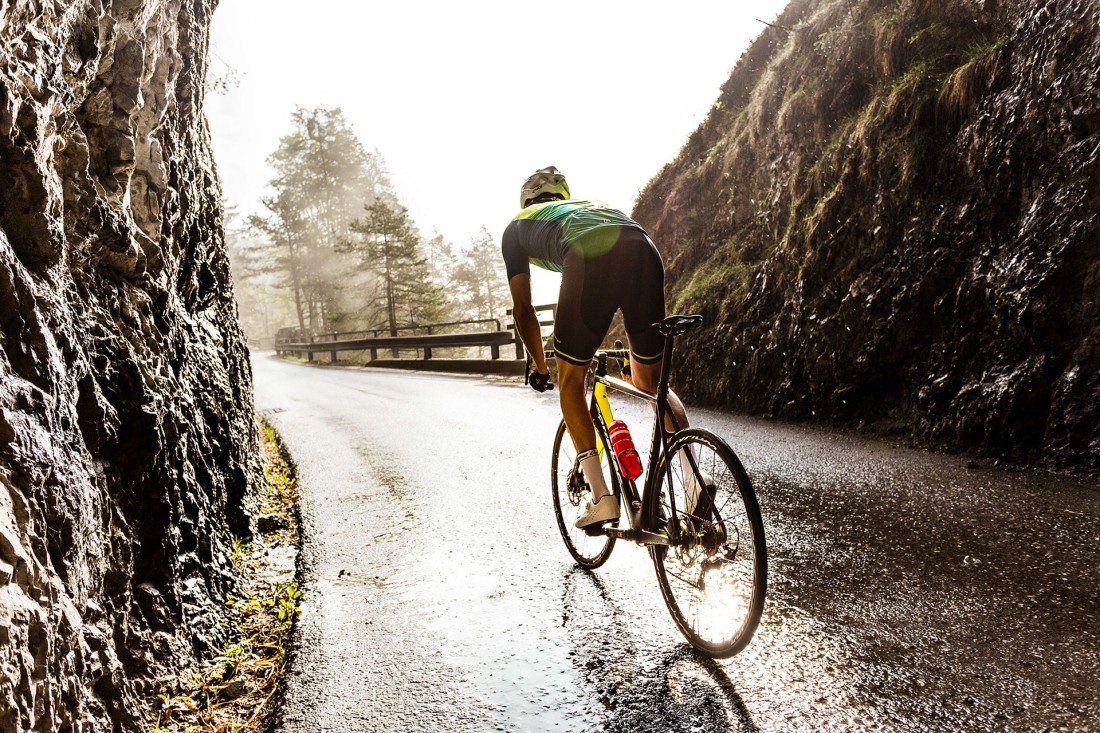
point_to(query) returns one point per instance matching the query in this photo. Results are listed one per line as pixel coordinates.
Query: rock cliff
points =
(127, 441)
(891, 217)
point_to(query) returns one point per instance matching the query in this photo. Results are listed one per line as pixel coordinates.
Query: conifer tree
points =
(390, 247)
(481, 278)
(323, 176)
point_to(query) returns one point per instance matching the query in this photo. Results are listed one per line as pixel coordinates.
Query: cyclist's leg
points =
(646, 377)
(575, 342)
(643, 307)
(574, 407)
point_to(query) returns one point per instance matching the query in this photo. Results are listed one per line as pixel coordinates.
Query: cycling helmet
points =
(546, 180)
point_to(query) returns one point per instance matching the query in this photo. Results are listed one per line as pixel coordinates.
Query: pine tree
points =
(323, 176)
(481, 277)
(441, 259)
(287, 256)
(390, 247)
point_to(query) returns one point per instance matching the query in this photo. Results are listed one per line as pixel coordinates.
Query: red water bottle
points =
(630, 465)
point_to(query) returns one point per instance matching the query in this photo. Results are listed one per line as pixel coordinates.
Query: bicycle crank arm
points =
(641, 536)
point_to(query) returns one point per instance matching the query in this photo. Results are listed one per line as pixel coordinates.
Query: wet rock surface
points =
(909, 591)
(126, 435)
(891, 218)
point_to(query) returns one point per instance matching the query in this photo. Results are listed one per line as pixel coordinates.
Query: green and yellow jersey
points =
(542, 234)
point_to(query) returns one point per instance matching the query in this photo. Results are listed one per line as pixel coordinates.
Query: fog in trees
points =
(390, 248)
(334, 250)
(323, 178)
(480, 278)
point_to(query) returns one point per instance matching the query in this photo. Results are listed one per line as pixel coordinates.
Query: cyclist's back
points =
(607, 263)
(545, 232)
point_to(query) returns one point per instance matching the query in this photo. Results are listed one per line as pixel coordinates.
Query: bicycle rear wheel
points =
(713, 576)
(569, 489)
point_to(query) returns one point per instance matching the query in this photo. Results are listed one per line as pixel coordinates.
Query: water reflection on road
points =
(640, 690)
(908, 591)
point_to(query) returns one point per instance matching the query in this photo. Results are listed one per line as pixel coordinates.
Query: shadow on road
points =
(642, 689)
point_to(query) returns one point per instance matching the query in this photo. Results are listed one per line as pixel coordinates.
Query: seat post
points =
(663, 390)
(666, 367)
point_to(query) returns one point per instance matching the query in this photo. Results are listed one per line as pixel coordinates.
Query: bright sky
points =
(464, 99)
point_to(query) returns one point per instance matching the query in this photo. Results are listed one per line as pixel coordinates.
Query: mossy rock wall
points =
(891, 218)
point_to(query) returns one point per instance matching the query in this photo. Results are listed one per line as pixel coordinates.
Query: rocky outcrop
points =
(891, 217)
(126, 433)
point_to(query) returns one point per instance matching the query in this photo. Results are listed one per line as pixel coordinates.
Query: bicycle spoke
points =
(713, 575)
(679, 577)
(569, 490)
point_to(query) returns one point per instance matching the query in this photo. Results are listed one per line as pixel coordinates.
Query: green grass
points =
(983, 48)
(723, 279)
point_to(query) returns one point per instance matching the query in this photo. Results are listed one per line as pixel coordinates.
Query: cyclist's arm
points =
(527, 321)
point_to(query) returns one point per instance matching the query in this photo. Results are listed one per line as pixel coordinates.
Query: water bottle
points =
(630, 465)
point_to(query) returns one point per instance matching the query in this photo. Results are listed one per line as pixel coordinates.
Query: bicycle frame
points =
(695, 511)
(641, 527)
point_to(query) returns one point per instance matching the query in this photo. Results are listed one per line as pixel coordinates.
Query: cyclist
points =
(608, 263)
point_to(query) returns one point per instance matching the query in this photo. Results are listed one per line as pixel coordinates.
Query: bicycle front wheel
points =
(713, 575)
(569, 489)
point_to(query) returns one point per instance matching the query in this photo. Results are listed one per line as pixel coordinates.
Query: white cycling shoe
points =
(606, 509)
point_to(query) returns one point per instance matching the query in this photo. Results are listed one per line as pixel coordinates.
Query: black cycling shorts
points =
(630, 277)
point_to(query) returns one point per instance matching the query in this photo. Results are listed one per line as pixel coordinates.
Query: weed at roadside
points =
(236, 690)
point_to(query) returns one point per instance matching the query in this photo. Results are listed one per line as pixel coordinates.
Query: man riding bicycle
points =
(608, 263)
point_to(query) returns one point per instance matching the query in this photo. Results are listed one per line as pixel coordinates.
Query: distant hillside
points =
(890, 218)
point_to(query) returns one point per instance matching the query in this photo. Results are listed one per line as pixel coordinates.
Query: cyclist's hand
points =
(540, 382)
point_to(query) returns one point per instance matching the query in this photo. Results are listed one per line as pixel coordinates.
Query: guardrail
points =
(334, 342)
(552, 307)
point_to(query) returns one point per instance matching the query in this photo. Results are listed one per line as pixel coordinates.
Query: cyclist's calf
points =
(574, 408)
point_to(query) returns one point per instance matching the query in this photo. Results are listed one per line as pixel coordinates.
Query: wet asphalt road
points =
(907, 591)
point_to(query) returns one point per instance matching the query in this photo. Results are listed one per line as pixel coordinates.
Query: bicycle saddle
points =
(676, 325)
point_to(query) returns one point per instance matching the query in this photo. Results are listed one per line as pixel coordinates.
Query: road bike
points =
(695, 511)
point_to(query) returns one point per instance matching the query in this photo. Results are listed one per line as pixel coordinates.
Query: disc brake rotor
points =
(577, 487)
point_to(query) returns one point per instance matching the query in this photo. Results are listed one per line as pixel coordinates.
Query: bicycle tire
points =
(568, 488)
(714, 575)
